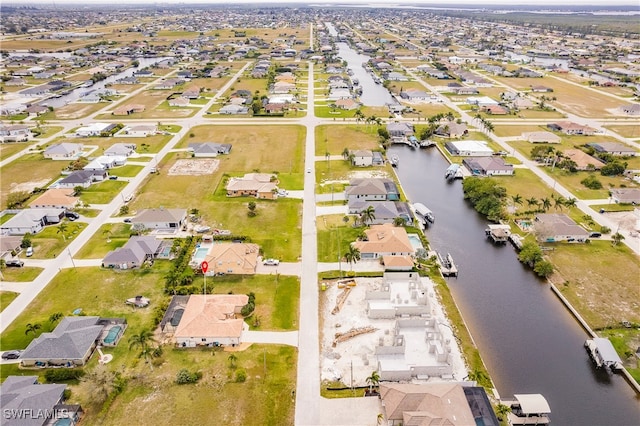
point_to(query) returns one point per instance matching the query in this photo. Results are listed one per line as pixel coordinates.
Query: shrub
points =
(247, 309)
(591, 182)
(184, 377)
(62, 374)
(241, 376)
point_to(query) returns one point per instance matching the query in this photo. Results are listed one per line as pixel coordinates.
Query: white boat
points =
(394, 161)
(452, 171)
(427, 143)
(202, 228)
(424, 212)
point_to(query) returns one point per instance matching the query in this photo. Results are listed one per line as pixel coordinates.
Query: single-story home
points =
(234, 109)
(631, 109)
(540, 137)
(121, 149)
(209, 149)
(384, 240)
(128, 109)
(384, 211)
(488, 166)
(259, 185)
(160, 219)
(614, 148)
(36, 404)
(625, 195)
(553, 227)
(72, 342)
(347, 104)
(179, 102)
(583, 160)
(14, 133)
(10, 246)
(133, 254)
(95, 129)
(452, 129)
(570, 128)
(233, 258)
(210, 320)
(83, 178)
(140, 130)
(397, 129)
(31, 221)
(63, 151)
(469, 148)
(60, 198)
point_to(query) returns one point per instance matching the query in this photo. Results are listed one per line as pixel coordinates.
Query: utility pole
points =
(71, 257)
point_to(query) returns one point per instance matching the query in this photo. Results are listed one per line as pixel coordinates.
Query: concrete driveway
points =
(284, 268)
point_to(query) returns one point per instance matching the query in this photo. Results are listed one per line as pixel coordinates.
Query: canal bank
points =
(529, 342)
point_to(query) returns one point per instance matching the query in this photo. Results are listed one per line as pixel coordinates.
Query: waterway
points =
(528, 340)
(373, 94)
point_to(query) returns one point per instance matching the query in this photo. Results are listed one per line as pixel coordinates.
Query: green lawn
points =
(6, 217)
(98, 246)
(102, 192)
(24, 274)
(6, 297)
(9, 149)
(30, 170)
(334, 237)
(50, 242)
(335, 138)
(125, 171)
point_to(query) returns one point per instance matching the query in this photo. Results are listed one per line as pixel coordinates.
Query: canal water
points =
(528, 340)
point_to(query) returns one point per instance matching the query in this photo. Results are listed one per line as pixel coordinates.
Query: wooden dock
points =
(499, 234)
(446, 265)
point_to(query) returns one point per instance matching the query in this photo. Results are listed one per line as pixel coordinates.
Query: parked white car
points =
(271, 262)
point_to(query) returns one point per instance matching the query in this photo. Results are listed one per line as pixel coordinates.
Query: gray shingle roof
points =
(25, 394)
(71, 339)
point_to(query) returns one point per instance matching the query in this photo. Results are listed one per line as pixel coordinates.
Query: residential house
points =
(347, 104)
(209, 149)
(625, 195)
(209, 320)
(451, 403)
(31, 221)
(614, 148)
(495, 110)
(128, 109)
(283, 87)
(121, 149)
(522, 103)
(83, 178)
(133, 254)
(378, 159)
(140, 130)
(551, 227)
(488, 166)
(36, 110)
(339, 93)
(400, 129)
(95, 129)
(234, 109)
(384, 211)
(583, 160)
(540, 137)
(16, 81)
(541, 89)
(384, 240)
(14, 133)
(160, 219)
(63, 151)
(59, 198)
(179, 102)
(168, 84)
(396, 76)
(259, 185)
(72, 342)
(631, 109)
(105, 162)
(233, 258)
(10, 246)
(36, 404)
(372, 189)
(469, 148)
(452, 129)
(192, 92)
(361, 157)
(414, 95)
(570, 128)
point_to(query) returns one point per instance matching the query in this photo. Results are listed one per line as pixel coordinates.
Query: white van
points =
(29, 251)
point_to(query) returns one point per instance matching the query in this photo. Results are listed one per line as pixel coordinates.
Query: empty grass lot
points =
(75, 110)
(8, 149)
(510, 131)
(24, 274)
(334, 237)
(49, 242)
(27, 172)
(145, 145)
(631, 131)
(125, 171)
(102, 192)
(108, 237)
(335, 138)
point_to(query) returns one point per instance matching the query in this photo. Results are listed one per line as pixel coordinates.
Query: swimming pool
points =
(414, 239)
(112, 335)
(63, 422)
(201, 253)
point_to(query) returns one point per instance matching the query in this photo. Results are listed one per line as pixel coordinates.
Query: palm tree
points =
(559, 202)
(517, 199)
(345, 153)
(232, 360)
(502, 410)
(143, 341)
(107, 233)
(570, 202)
(533, 201)
(373, 380)
(345, 219)
(62, 229)
(368, 215)
(399, 221)
(54, 318)
(352, 256)
(32, 328)
(359, 115)
(546, 203)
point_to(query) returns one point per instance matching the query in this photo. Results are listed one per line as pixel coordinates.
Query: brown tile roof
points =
(582, 159)
(385, 238)
(212, 315)
(429, 404)
(56, 197)
(233, 258)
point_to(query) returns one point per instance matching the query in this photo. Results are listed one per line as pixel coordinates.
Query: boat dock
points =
(603, 353)
(454, 171)
(528, 409)
(423, 212)
(516, 240)
(445, 263)
(499, 234)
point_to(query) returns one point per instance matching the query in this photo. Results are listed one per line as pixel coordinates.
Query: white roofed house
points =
(209, 149)
(32, 221)
(361, 157)
(140, 130)
(469, 148)
(541, 137)
(63, 151)
(160, 219)
(14, 133)
(95, 129)
(488, 166)
(121, 149)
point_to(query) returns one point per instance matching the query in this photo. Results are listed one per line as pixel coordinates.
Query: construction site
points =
(393, 325)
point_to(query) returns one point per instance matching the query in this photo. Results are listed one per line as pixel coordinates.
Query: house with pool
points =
(386, 242)
(73, 341)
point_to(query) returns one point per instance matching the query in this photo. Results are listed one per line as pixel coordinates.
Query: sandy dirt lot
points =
(194, 167)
